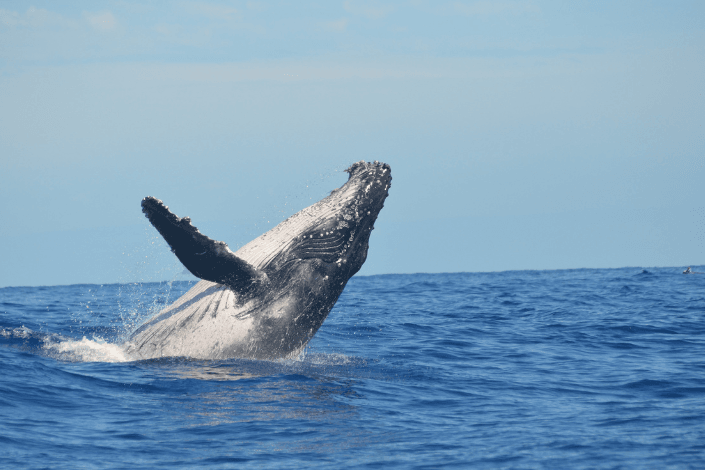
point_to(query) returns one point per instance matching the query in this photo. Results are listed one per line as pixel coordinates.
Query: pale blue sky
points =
(521, 134)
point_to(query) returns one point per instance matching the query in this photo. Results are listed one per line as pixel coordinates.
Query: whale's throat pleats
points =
(327, 241)
(318, 231)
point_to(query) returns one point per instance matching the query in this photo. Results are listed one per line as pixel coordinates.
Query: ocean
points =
(586, 368)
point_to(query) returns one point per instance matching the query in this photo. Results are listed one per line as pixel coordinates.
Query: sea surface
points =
(588, 368)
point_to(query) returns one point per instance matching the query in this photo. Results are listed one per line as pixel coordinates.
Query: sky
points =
(521, 134)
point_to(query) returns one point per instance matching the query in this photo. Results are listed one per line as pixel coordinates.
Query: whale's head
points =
(360, 201)
(332, 236)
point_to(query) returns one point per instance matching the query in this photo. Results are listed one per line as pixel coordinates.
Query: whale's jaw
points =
(285, 282)
(373, 181)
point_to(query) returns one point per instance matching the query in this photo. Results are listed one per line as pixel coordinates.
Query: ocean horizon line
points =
(166, 281)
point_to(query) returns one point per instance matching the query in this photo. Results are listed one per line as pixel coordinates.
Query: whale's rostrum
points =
(267, 299)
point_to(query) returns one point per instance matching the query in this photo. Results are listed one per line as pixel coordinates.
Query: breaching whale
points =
(267, 299)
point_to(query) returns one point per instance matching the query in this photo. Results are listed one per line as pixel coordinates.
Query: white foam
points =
(304, 356)
(86, 350)
(329, 359)
(21, 332)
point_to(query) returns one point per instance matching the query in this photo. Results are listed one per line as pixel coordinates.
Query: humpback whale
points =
(267, 299)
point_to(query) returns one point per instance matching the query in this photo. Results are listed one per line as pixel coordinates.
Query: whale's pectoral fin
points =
(205, 258)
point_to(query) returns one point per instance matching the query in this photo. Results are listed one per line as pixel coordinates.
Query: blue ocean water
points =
(590, 368)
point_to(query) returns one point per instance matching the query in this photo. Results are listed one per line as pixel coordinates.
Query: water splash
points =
(85, 350)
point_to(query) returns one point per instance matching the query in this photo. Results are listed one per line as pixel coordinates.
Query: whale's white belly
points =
(206, 322)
